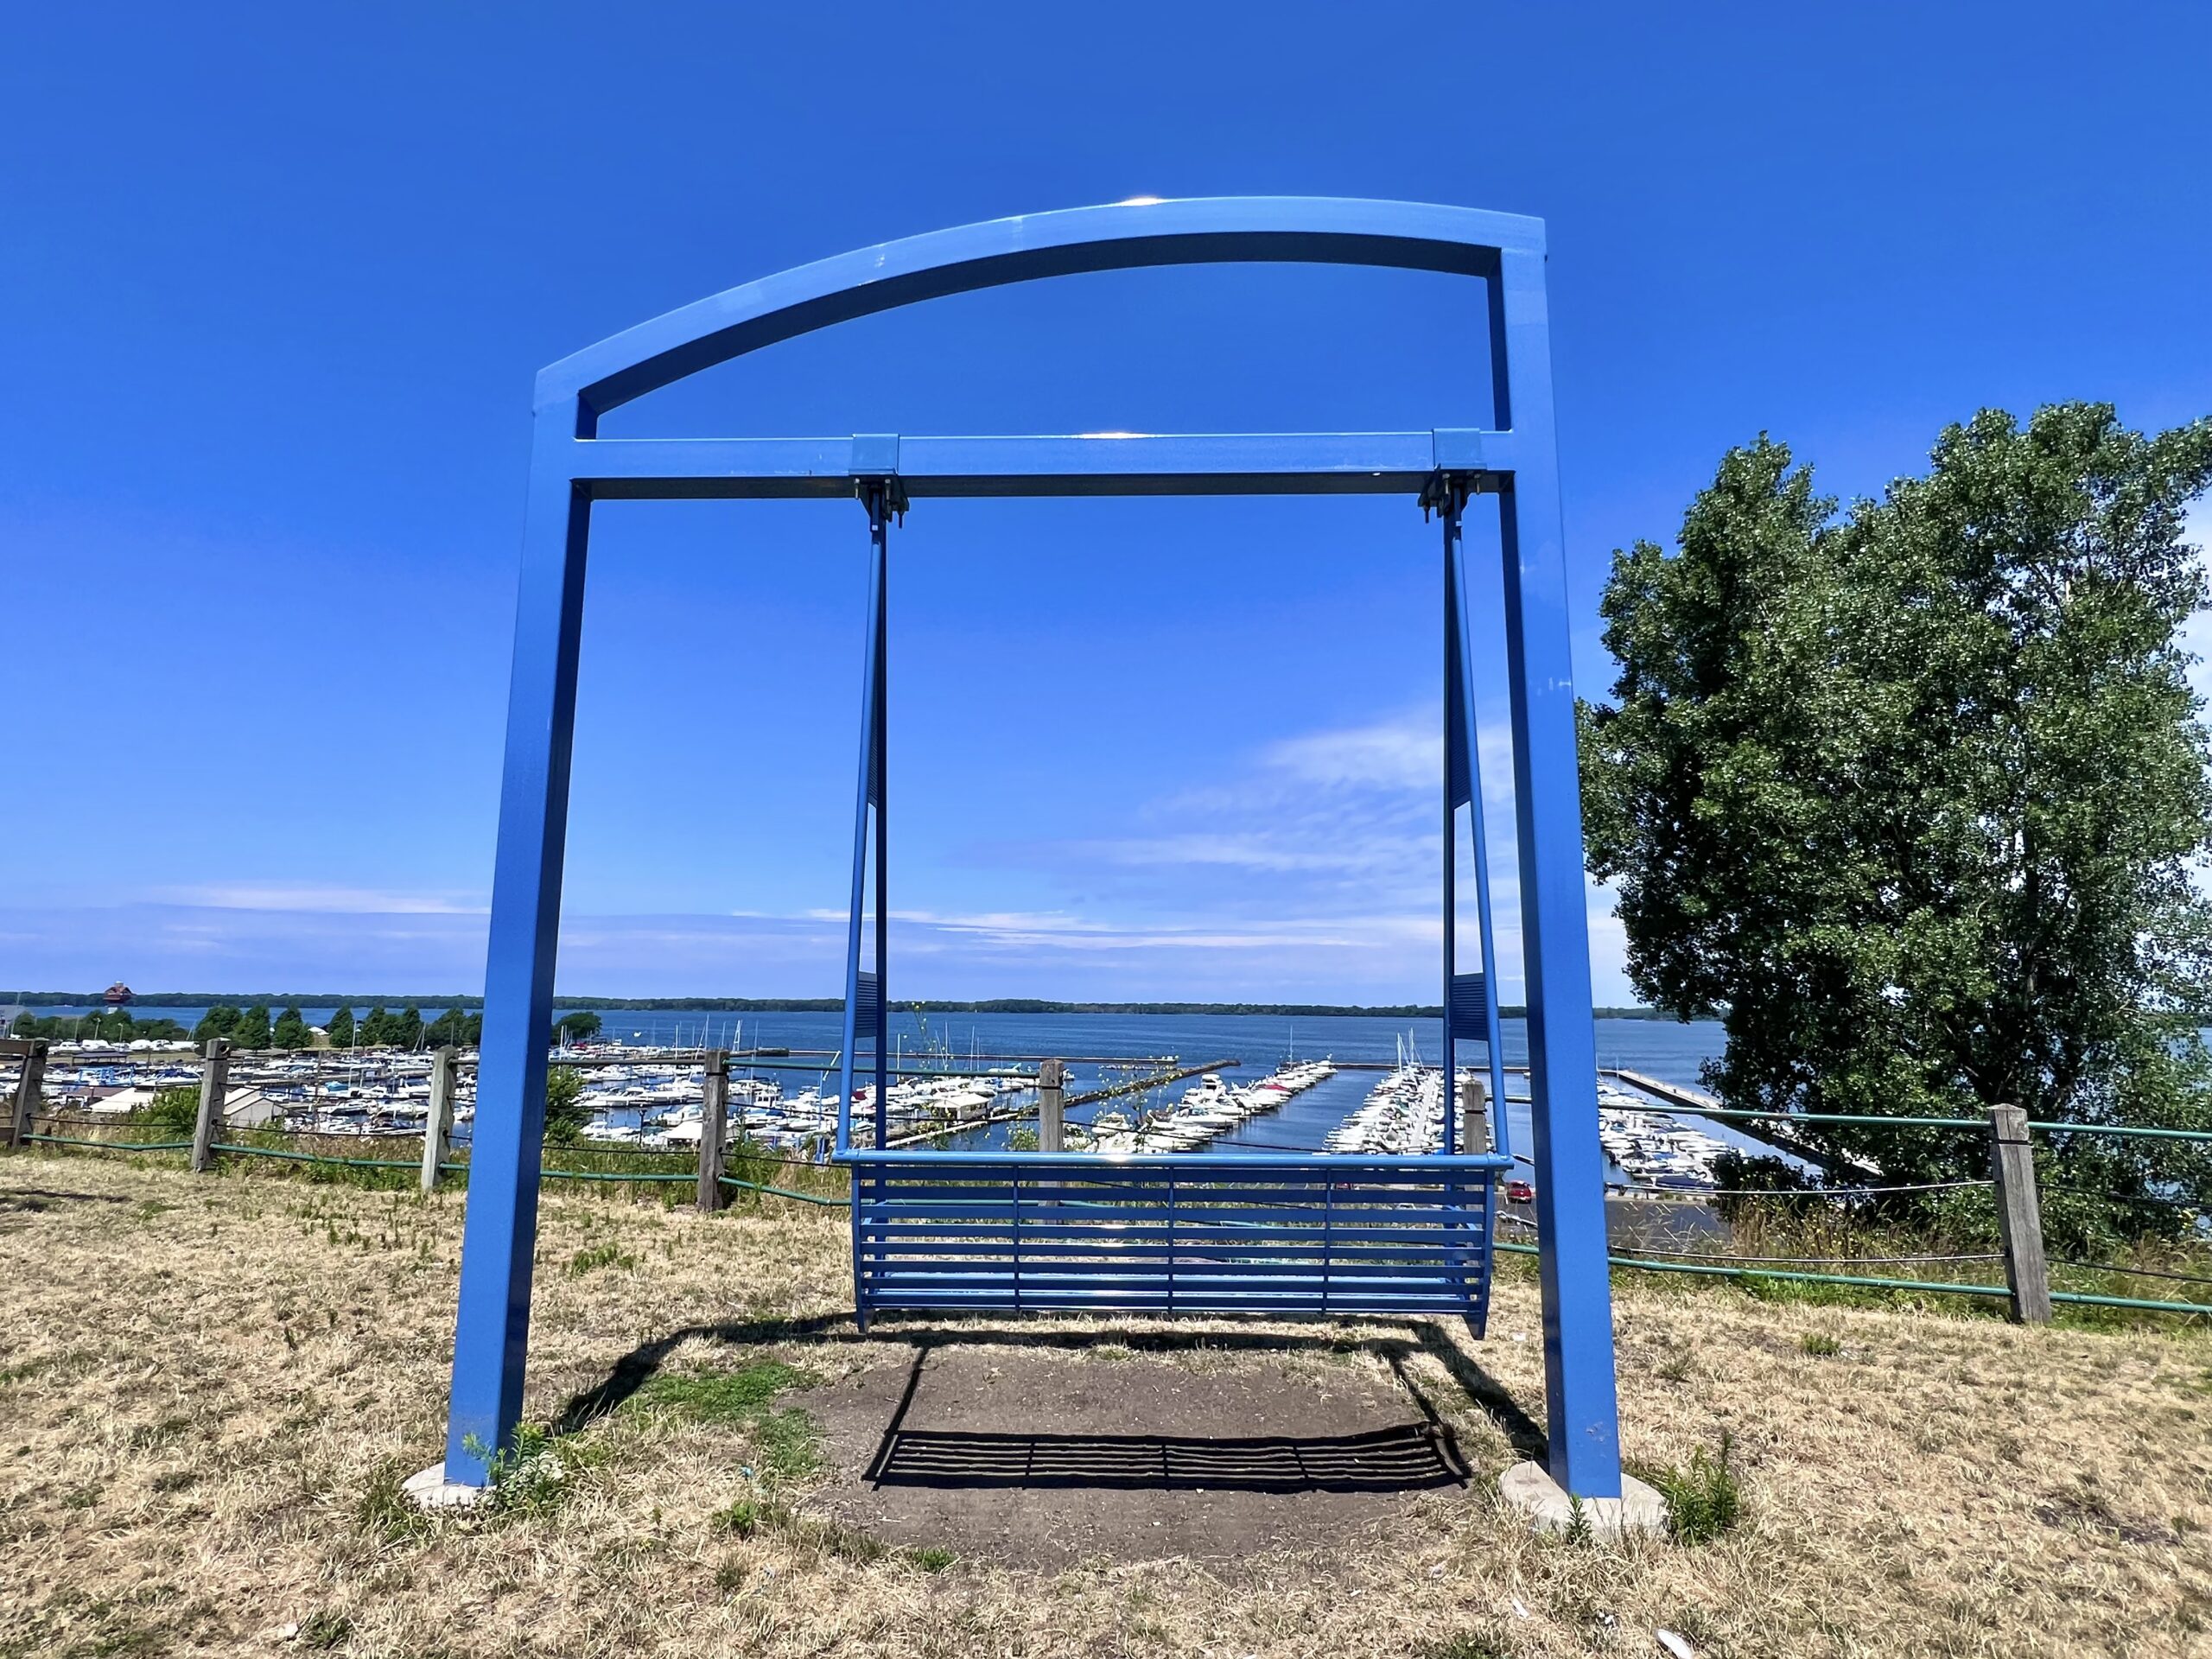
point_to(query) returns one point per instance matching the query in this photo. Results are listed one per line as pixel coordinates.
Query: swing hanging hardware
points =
(1446, 491)
(1460, 470)
(884, 498)
(875, 467)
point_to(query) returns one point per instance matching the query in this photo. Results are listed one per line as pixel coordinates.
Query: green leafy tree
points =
(101, 1025)
(580, 1027)
(340, 1029)
(222, 1020)
(407, 1029)
(119, 1026)
(456, 1027)
(376, 1027)
(1910, 796)
(290, 1030)
(565, 1111)
(175, 1111)
(253, 1030)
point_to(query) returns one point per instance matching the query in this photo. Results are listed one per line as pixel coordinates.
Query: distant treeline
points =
(251, 1027)
(108, 1026)
(830, 1004)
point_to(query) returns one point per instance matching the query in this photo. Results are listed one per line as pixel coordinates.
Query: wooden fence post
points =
(214, 1083)
(437, 1127)
(1052, 1095)
(2019, 1214)
(1474, 1115)
(714, 1118)
(28, 1085)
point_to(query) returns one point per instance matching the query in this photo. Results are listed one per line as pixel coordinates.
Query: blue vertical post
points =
(492, 1329)
(1581, 1410)
(1454, 782)
(866, 810)
(879, 525)
(1470, 735)
(867, 1014)
(1463, 776)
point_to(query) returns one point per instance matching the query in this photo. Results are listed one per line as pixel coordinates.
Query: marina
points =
(1372, 1093)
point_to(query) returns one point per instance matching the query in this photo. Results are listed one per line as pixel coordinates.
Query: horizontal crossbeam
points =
(1093, 463)
(1209, 1165)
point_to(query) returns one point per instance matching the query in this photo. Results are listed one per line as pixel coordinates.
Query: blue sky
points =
(276, 283)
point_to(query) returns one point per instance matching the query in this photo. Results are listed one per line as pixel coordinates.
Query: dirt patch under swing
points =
(1031, 1456)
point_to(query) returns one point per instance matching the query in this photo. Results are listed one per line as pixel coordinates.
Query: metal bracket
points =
(882, 497)
(1459, 470)
(876, 474)
(1447, 492)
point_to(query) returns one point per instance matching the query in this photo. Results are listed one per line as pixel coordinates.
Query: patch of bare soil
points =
(1013, 1451)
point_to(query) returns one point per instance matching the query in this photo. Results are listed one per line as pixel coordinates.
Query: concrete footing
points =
(431, 1490)
(1529, 1488)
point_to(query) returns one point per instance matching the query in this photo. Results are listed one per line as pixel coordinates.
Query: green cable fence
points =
(646, 1176)
(1782, 1269)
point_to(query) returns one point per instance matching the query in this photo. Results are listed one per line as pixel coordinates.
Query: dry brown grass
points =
(208, 1388)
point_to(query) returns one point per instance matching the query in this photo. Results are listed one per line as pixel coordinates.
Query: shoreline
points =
(791, 1005)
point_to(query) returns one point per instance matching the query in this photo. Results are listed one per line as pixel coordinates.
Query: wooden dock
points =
(1776, 1133)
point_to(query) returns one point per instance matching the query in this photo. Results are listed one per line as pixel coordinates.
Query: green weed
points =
(753, 1517)
(1703, 1500)
(748, 1516)
(385, 1512)
(1466, 1644)
(1578, 1522)
(1822, 1346)
(608, 1255)
(535, 1476)
(835, 1538)
(321, 1631)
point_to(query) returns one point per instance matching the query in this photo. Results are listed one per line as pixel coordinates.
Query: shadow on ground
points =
(1043, 1445)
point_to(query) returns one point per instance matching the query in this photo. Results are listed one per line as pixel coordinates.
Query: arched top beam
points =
(1309, 230)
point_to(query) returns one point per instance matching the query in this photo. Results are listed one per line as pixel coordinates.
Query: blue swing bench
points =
(1174, 1233)
(1177, 1233)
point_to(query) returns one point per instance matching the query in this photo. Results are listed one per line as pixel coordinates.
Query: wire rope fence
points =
(1762, 1236)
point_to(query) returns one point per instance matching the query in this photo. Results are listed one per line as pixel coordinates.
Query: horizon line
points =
(794, 1005)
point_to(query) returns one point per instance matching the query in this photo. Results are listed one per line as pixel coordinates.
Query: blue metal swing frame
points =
(1063, 1232)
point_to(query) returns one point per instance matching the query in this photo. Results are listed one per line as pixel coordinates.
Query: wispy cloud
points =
(1406, 753)
(1352, 810)
(1279, 850)
(1056, 930)
(319, 899)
